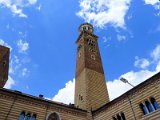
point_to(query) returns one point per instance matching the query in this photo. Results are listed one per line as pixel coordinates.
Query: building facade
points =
(91, 94)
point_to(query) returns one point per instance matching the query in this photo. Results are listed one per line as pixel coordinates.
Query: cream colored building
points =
(91, 94)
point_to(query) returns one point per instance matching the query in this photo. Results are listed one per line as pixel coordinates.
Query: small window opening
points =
(123, 116)
(84, 28)
(149, 106)
(154, 103)
(28, 116)
(90, 42)
(33, 117)
(4, 63)
(143, 108)
(22, 116)
(114, 118)
(81, 98)
(118, 117)
(93, 57)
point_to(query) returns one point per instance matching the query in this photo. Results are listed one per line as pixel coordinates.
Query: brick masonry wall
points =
(138, 95)
(91, 85)
(12, 104)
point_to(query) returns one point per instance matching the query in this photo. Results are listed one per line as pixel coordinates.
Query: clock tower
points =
(90, 86)
(4, 65)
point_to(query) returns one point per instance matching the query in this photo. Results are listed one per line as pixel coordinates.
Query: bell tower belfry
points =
(4, 65)
(90, 86)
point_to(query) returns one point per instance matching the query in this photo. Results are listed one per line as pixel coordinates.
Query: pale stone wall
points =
(141, 93)
(91, 85)
(12, 104)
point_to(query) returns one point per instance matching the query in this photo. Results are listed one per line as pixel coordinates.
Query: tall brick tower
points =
(90, 86)
(4, 65)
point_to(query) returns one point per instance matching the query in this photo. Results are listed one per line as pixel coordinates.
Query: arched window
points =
(143, 108)
(53, 116)
(154, 103)
(28, 116)
(123, 116)
(33, 117)
(22, 116)
(149, 106)
(118, 117)
(91, 42)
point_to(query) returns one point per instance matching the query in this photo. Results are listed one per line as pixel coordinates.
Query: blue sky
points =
(42, 35)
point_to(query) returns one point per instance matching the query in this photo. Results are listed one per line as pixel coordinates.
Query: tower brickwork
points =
(90, 87)
(4, 65)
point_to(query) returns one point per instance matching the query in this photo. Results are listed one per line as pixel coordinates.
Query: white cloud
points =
(16, 6)
(102, 12)
(106, 39)
(17, 11)
(154, 3)
(121, 37)
(25, 71)
(39, 7)
(32, 1)
(66, 94)
(23, 46)
(156, 53)
(141, 63)
(15, 64)
(158, 67)
(133, 77)
(9, 83)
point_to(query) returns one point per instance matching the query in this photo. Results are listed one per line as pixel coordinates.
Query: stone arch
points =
(53, 116)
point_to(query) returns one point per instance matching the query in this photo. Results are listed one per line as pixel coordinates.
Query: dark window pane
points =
(28, 116)
(114, 118)
(154, 103)
(33, 117)
(53, 116)
(143, 108)
(118, 117)
(22, 116)
(123, 116)
(149, 106)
